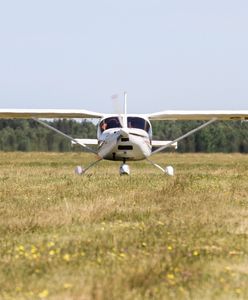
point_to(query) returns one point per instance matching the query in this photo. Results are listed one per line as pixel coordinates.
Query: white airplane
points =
(124, 137)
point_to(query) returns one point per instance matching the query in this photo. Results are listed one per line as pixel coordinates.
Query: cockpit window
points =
(136, 122)
(112, 122)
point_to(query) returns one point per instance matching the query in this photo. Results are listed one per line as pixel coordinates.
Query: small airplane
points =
(124, 137)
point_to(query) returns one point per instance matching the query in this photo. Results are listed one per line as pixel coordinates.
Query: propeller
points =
(117, 108)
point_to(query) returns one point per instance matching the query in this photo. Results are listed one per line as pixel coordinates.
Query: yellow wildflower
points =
(170, 276)
(43, 294)
(33, 249)
(160, 223)
(51, 252)
(35, 255)
(20, 248)
(67, 257)
(123, 255)
(67, 285)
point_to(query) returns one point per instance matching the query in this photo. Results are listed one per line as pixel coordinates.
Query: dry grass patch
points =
(102, 236)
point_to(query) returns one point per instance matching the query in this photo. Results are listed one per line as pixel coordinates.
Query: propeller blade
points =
(117, 108)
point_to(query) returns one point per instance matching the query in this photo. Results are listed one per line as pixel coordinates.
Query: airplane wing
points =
(200, 115)
(85, 141)
(157, 144)
(47, 113)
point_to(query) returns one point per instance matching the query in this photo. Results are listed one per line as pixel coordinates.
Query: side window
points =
(103, 125)
(108, 123)
(140, 123)
(134, 122)
(113, 123)
(147, 127)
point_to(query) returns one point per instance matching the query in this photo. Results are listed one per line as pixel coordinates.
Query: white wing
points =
(85, 141)
(47, 113)
(156, 143)
(200, 115)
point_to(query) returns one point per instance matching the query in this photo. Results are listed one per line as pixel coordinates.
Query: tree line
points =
(222, 136)
(28, 135)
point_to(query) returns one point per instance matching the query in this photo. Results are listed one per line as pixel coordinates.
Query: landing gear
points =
(79, 170)
(124, 169)
(169, 170)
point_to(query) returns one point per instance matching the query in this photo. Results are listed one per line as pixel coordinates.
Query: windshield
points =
(112, 122)
(136, 122)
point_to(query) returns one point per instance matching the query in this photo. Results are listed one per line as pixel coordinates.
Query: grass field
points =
(102, 236)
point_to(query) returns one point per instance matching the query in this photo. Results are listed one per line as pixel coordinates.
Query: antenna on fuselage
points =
(125, 103)
(125, 110)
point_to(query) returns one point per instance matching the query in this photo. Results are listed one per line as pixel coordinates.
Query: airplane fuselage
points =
(123, 140)
(124, 144)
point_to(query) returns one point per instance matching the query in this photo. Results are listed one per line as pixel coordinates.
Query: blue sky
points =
(166, 54)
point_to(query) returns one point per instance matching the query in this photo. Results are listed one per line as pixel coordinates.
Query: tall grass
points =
(102, 236)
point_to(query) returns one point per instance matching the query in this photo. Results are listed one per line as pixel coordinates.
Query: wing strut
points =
(185, 135)
(64, 135)
(92, 164)
(156, 165)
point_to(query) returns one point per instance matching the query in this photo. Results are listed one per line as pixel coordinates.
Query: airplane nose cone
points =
(124, 132)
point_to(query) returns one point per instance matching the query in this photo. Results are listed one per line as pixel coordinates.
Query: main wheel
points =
(79, 170)
(169, 170)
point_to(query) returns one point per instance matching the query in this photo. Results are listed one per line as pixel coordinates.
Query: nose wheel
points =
(124, 169)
